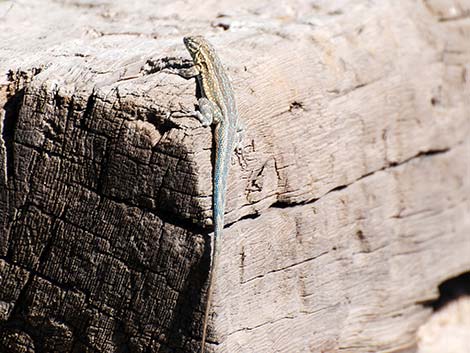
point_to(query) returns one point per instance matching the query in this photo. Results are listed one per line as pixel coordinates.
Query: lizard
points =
(217, 107)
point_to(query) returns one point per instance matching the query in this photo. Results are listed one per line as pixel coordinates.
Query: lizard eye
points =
(190, 44)
(193, 43)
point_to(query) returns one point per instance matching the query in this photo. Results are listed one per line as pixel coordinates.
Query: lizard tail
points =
(221, 167)
(206, 316)
(215, 256)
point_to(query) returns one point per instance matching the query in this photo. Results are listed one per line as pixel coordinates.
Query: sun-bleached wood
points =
(350, 211)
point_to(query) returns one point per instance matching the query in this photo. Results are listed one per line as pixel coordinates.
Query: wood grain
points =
(350, 212)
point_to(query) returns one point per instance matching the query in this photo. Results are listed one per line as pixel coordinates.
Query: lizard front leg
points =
(187, 72)
(208, 113)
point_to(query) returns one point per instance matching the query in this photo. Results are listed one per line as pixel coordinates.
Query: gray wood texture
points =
(350, 211)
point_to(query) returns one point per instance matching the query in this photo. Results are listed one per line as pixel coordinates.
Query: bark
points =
(350, 211)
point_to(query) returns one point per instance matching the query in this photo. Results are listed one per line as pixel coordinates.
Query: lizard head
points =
(199, 48)
(193, 44)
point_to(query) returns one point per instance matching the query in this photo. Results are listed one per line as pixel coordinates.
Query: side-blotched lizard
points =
(216, 106)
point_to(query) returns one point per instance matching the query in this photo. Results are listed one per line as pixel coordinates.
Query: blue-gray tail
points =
(220, 178)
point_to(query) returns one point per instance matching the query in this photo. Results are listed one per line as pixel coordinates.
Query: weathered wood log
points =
(351, 210)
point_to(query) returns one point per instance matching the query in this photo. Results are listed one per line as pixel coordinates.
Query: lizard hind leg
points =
(238, 148)
(208, 112)
(240, 135)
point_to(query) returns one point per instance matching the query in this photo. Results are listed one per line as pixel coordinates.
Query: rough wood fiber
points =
(352, 208)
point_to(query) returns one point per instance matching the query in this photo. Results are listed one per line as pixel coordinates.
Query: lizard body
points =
(217, 106)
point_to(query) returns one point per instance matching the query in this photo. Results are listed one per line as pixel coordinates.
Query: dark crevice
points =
(190, 301)
(296, 106)
(282, 204)
(175, 220)
(21, 301)
(247, 216)
(338, 188)
(255, 184)
(48, 247)
(225, 26)
(101, 171)
(162, 125)
(12, 110)
(450, 290)
(429, 153)
(90, 106)
(279, 269)
(432, 152)
(17, 321)
(464, 15)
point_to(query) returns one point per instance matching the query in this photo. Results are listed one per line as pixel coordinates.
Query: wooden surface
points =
(353, 206)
